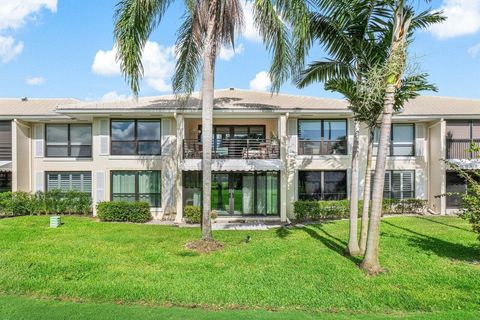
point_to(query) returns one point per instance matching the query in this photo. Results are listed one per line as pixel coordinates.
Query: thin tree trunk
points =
(207, 123)
(371, 262)
(353, 248)
(366, 192)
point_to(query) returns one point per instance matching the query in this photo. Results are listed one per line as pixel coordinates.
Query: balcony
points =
(460, 148)
(322, 148)
(234, 149)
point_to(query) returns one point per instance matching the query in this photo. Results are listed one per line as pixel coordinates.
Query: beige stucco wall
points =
(21, 156)
(436, 173)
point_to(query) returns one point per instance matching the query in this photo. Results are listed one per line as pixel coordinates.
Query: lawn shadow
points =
(443, 223)
(328, 240)
(282, 232)
(439, 247)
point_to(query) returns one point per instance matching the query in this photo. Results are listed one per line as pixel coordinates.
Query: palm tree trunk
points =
(207, 126)
(353, 248)
(366, 192)
(371, 263)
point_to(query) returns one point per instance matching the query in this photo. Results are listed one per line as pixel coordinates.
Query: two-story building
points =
(268, 150)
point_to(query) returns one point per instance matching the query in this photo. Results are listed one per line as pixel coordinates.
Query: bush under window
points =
(124, 211)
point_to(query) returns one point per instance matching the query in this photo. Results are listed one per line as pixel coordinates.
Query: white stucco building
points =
(269, 150)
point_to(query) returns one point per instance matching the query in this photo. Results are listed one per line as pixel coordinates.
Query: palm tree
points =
(403, 23)
(207, 26)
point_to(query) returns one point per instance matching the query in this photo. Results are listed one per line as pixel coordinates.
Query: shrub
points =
(314, 210)
(51, 202)
(192, 214)
(123, 211)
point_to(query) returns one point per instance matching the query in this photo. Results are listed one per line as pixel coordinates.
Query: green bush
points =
(123, 211)
(51, 202)
(315, 210)
(192, 214)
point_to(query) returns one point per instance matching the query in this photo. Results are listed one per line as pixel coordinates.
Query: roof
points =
(32, 107)
(231, 99)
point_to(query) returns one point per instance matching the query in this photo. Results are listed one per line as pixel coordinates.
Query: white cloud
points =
(114, 96)
(463, 18)
(34, 81)
(13, 15)
(474, 50)
(249, 31)
(261, 82)
(227, 53)
(158, 63)
(9, 48)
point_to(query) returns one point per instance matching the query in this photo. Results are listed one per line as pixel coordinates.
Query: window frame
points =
(70, 173)
(391, 147)
(69, 142)
(136, 194)
(390, 192)
(135, 137)
(322, 184)
(322, 135)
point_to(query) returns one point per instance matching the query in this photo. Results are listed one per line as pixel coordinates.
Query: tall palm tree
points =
(403, 23)
(207, 26)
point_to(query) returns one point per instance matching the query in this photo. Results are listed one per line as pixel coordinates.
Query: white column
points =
(180, 134)
(443, 169)
(282, 124)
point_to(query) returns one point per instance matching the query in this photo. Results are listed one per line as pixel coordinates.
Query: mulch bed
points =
(204, 246)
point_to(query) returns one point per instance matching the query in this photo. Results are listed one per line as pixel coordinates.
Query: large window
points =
(461, 134)
(322, 185)
(399, 184)
(6, 140)
(68, 140)
(136, 186)
(402, 140)
(66, 181)
(136, 137)
(5, 181)
(322, 137)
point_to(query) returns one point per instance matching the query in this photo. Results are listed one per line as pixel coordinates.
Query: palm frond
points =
(323, 71)
(134, 22)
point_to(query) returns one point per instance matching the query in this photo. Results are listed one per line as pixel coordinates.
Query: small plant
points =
(192, 214)
(123, 211)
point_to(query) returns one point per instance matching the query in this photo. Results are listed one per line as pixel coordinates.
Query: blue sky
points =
(63, 48)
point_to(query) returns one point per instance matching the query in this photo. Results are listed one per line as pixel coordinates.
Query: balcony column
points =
(282, 133)
(443, 166)
(178, 156)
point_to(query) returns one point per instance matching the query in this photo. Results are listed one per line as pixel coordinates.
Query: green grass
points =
(432, 267)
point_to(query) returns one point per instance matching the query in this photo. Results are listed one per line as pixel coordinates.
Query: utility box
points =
(55, 222)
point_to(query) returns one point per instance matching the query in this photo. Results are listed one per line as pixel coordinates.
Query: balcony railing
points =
(5, 151)
(460, 149)
(324, 147)
(234, 149)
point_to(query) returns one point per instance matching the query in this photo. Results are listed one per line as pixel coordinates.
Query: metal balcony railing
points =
(460, 148)
(323, 147)
(234, 149)
(325, 196)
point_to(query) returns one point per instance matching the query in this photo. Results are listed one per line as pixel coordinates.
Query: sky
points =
(65, 48)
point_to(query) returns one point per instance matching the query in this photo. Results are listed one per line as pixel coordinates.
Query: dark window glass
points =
(322, 185)
(6, 140)
(68, 140)
(137, 186)
(136, 137)
(322, 137)
(402, 140)
(5, 181)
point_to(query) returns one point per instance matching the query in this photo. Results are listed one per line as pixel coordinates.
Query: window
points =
(399, 184)
(322, 185)
(6, 140)
(402, 139)
(66, 181)
(5, 181)
(68, 140)
(137, 186)
(461, 134)
(322, 137)
(136, 137)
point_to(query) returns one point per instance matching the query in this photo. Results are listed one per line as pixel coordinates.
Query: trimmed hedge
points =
(192, 214)
(315, 210)
(56, 202)
(123, 211)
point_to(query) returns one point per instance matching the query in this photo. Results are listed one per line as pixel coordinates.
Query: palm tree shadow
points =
(443, 223)
(331, 242)
(439, 247)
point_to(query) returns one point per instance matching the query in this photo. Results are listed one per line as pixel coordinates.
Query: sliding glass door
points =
(237, 193)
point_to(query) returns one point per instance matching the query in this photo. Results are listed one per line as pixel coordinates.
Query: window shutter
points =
(53, 181)
(167, 138)
(38, 140)
(100, 176)
(407, 184)
(39, 183)
(87, 182)
(396, 178)
(104, 137)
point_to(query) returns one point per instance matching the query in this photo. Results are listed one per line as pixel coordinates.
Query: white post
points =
(178, 156)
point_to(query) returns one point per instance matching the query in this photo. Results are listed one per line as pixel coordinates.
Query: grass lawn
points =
(112, 268)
